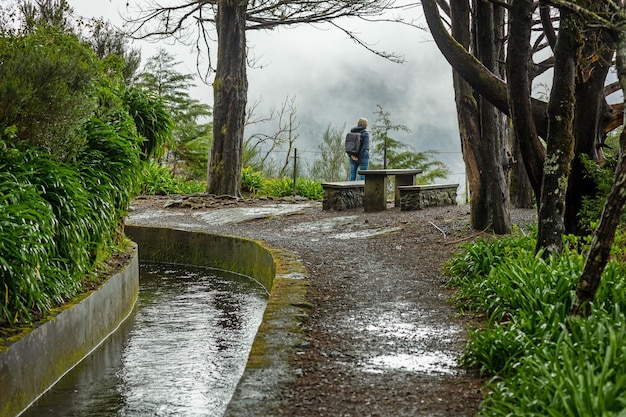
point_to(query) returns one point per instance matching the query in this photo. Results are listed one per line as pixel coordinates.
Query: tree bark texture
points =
(560, 138)
(593, 114)
(492, 147)
(518, 72)
(522, 193)
(604, 236)
(468, 120)
(230, 90)
(478, 78)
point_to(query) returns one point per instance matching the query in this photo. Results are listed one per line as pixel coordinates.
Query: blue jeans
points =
(362, 163)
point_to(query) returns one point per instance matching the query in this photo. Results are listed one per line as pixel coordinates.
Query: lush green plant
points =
(159, 179)
(27, 225)
(54, 217)
(477, 258)
(283, 187)
(310, 189)
(69, 163)
(252, 181)
(278, 187)
(581, 374)
(152, 120)
(544, 362)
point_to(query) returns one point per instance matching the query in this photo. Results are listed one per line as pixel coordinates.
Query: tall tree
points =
(560, 137)
(577, 118)
(161, 77)
(592, 118)
(230, 19)
(493, 175)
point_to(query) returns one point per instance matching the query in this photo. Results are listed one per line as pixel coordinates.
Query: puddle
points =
(427, 363)
(394, 324)
(410, 342)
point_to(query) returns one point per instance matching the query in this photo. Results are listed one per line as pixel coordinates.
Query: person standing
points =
(360, 161)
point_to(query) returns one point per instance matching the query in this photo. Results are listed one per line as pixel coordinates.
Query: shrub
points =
(252, 181)
(283, 187)
(46, 91)
(159, 180)
(543, 361)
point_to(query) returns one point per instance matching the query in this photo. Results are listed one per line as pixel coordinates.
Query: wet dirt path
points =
(383, 337)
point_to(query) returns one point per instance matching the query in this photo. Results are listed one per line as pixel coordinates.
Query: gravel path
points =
(384, 339)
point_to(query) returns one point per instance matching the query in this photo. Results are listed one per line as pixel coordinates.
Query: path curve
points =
(384, 337)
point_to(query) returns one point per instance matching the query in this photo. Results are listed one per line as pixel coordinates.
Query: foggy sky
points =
(335, 81)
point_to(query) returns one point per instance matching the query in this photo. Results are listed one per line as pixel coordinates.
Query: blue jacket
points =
(365, 141)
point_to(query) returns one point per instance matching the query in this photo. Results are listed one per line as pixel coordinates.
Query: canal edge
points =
(40, 357)
(279, 337)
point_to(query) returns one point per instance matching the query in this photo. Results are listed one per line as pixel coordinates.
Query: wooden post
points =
(295, 170)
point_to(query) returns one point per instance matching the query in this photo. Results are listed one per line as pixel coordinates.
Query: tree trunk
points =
(230, 90)
(518, 73)
(491, 145)
(522, 193)
(560, 138)
(604, 236)
(593, 114)
(492, 88)
(468, 120)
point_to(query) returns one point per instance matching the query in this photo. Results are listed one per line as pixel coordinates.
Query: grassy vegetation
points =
(159, 180)
(540, 361)
(56, 218)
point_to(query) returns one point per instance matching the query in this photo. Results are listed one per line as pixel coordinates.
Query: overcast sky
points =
(335, 81)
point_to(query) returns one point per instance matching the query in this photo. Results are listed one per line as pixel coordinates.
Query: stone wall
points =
(418, 197)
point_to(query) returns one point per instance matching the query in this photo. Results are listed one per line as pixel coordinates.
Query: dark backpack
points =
(353, 143)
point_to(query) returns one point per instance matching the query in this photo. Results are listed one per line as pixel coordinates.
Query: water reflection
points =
(180, 354)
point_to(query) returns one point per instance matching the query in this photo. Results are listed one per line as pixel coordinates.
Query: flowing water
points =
(180, 354)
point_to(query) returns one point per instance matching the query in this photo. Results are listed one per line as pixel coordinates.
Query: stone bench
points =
(376, 186)
(343, 195)
(417, 197)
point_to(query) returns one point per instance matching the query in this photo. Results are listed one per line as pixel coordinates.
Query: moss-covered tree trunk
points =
(230, 91)
(560, 138)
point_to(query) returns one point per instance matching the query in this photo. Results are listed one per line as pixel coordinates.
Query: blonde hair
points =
(362, 122)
